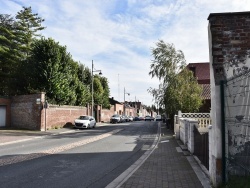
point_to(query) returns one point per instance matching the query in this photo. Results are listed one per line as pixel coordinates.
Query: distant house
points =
(118, 107)
(202, 72)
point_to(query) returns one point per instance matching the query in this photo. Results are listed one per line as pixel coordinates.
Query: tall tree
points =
(167, 61)
(106, 92)
(8, 53)
(178, 90)
(52, 70)
(98, 90)
(28, 25)
(84, 74)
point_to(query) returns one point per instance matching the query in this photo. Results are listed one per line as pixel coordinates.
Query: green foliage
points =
(28, 25)
(106, 93)
(53, 71)
(179, 90)
(9, 55)
(98, 90)
(167, 61)
(30, 63)
(84, 74)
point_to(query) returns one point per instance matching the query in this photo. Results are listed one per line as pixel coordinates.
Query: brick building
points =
(229, 51)
(202, 72)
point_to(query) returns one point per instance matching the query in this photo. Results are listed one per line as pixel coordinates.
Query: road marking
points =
(164, 141)
(21, 158)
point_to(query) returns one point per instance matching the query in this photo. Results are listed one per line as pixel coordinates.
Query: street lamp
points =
(124, 101)
(92, 85)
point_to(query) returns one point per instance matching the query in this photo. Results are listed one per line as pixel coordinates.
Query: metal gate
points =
(201, 147)
(235, 93)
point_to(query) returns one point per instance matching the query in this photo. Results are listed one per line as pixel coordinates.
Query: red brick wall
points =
(59, 116)
(6, 102)
(106, 114)
(25, 112)
(230, 34)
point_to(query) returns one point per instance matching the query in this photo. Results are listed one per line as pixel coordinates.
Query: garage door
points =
(2, 116)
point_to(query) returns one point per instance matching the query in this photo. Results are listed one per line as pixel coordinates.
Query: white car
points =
(85, 122)
(148, 118)
(158, 118)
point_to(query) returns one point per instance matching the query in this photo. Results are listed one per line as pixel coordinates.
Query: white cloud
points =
(118, 37)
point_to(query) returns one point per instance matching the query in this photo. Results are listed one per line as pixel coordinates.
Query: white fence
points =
(184, 127)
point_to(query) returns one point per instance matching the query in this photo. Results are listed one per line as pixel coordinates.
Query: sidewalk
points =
(168, 166)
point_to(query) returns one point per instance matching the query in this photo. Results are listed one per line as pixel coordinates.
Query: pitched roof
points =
(202, 73)
(206, 91)
(113, 102)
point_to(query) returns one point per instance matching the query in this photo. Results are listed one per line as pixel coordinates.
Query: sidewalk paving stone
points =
(165, 167)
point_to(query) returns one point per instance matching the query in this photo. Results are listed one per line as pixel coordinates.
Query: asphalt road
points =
(85, 158)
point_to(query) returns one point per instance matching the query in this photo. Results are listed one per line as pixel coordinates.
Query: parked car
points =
(130, 118)
(158, 118)
(148, 118)
(123, 119)
(142, 118)
(126, 118)
(115, 119)
(85, 122)
(136, 118)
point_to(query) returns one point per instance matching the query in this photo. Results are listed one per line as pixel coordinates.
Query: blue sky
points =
(118, 35)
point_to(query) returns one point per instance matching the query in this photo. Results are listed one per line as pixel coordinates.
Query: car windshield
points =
(84, 117)
(115, 115)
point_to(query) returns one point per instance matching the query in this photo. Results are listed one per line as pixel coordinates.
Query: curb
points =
(131, 170)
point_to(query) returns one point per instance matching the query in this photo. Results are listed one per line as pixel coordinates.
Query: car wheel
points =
(94, 125)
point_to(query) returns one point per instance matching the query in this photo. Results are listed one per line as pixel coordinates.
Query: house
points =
(202, 72)
(118, 107)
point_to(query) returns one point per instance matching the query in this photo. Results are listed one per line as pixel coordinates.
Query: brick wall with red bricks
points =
(230, 34)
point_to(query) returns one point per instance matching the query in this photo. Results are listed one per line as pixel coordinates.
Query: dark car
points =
(142, 118)
(136, 118)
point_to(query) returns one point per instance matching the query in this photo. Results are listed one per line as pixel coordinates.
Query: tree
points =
(167, 62)
(27, 27)
(98, 90)
(106, 93)
(178, 90)
(84, 74)
(51, 69)
(8, 53)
